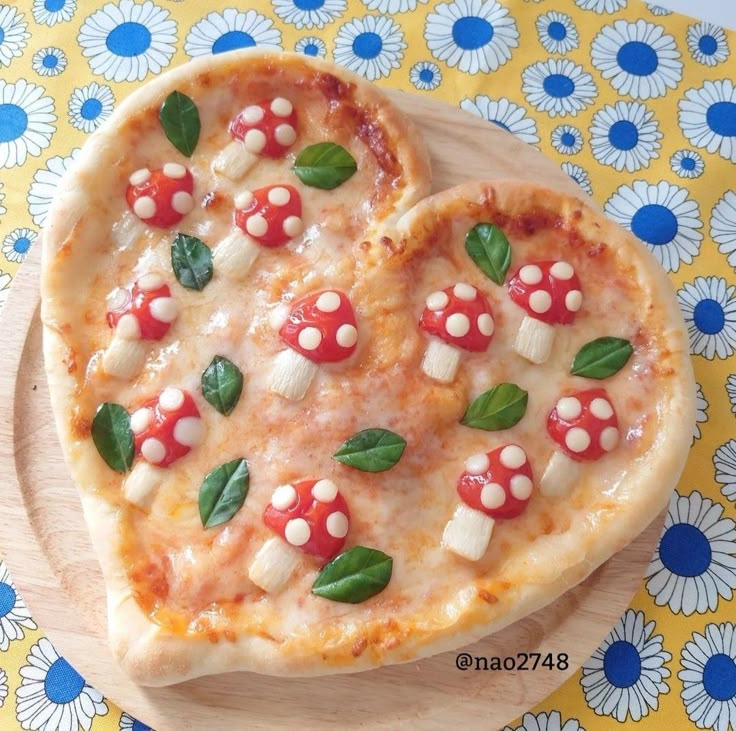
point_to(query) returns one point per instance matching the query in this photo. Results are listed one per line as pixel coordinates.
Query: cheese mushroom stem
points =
(559, 476)
(441, 361)
(468, 533)
(292, 374)
(234, 161)
(236, 254)
(534, 340)
(124, 357)
(141, 484)
(273, 565)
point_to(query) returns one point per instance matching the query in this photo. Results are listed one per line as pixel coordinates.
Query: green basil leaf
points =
(324, 165)
(223, 492)
(354, 576)
(191, 260)
(179, 117)
(601, 358)
(222, 384)
(113, 436)
(371, 450)
(500, 408)
(489, 248)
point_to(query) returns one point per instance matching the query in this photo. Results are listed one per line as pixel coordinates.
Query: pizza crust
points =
(153, 655)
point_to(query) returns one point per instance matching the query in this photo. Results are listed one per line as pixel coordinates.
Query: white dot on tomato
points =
(279, 196)
(144, 207)
(601, 408)
(252, 114)
(337, 525)
(477, 464)
(577, 439)
(164, 309)
(140, 420)
(281, 107)
(171, 399)
(347, 336)
(256, 225)
(297, 532)
(309, 338)
(512, 457)
(437, 301)
(324, 490)
(457, 325)
(530, 274)
(540, 301)
(465, 292)
(150, 282)
(284, 497)
(153, 450)
(244, 199)
(189, 431)
(328, 302)
(174, 170)
(140, 176)
(285, 135)
(254, 141)
(562, 270)
(485, 323)
(574, 300)
(521, 487)
(293, 226)
(182, 202)
(492, 496)
(568, 408)
(609, 438)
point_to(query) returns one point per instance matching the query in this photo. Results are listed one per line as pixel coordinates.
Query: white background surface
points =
(722, 12)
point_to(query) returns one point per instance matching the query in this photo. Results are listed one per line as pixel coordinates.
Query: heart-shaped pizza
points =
(319, 421)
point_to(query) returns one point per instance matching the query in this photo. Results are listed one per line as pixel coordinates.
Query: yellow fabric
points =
(704, 213)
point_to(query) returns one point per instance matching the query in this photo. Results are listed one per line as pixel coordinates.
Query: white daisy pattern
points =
(708, 305)
(17, 243)
(708, 677)
(372, 46)
(391, 7)
(504, 114)
(557, 32)
(663, 217)
(638, 59)
(707, 43)
(724, 460)
(731, 391)
(626, 675)
(567, 140)
(128, 723)
(52, 695)
(90, 106)
(51, 12)
(625, 136)
(694, 565)
(601, 6)
(546, 721)
(476, 36)
(3, 209)
(42, 190)
(558, 87)
(425, 76)
(658, 10)
(14, 615)
(701, 410)
(311, 46)
(13, 34)
(579, 175)
(723, 226)
(26, 122)
(229, 30)
(309, 13)
(128, 41)
(49, 61)
(5, 280)
(687, 164)
(3, 687)
(707, 117)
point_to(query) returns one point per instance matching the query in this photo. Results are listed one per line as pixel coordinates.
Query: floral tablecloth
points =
(636, 104)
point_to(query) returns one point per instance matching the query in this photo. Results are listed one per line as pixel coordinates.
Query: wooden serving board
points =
(46, 545)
